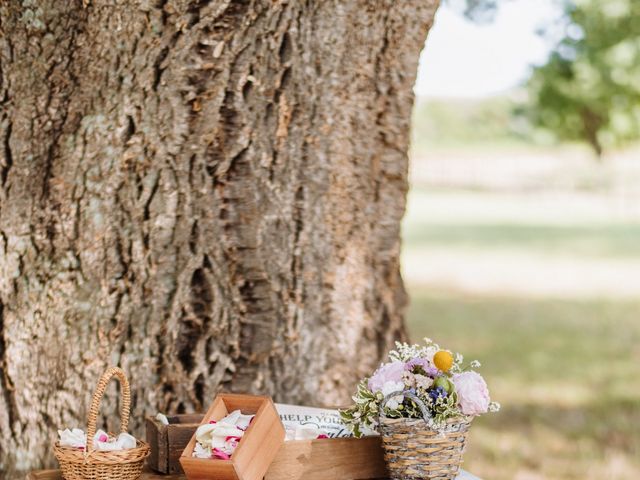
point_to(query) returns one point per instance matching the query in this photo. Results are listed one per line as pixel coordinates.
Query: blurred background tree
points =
(476, 10)
(588, 90)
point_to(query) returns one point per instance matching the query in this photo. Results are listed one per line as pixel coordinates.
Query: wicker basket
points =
(413, 450)
(77, 464)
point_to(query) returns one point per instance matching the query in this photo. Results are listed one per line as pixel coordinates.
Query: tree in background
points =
(589, 90)
(477, 10)
(207, 193)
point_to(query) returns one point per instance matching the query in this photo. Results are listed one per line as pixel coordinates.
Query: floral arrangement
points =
(437, 377)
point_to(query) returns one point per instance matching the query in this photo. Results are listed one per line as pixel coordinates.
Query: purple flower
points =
(414, 362)
(437, 392)
(423, 363)
(389, 372)
(473, 394)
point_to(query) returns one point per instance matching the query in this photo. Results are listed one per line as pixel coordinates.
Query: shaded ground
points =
(546, 293)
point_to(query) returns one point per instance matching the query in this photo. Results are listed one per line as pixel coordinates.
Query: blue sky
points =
(464, 59)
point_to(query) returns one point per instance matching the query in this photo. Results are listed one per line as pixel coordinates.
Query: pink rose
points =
(389, 372)
(473, 394)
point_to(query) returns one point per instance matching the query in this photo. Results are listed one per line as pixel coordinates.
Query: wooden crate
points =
(329, 458)
(255, 452)
(335, 458)
(168, 441)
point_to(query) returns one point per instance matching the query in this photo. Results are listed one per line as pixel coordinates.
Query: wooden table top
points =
(57, 475)
(149, 475)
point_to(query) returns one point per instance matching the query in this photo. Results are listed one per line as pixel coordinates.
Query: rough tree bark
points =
(207, 193)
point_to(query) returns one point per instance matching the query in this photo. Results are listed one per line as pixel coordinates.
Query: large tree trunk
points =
(207, 193)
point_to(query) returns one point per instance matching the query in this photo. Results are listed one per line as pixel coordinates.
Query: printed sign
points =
(325, 419)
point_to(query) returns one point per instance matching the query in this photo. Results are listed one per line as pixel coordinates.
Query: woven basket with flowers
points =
(422, 403)
(87, 463)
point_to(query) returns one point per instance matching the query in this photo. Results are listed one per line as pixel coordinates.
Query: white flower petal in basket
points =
(72, 438)
(124, 441)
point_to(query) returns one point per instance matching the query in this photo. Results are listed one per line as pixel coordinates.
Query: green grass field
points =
(606, 241)
(561, 353)
(566, 373)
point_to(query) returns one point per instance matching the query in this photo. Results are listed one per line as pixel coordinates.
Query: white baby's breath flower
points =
(422, 381)
(405, 352)
(494, 407)
(409, 379)
(475, 364)
(430, 352)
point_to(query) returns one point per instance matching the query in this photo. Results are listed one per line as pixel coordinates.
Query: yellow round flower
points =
(443, 360)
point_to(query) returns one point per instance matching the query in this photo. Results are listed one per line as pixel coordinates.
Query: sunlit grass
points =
(566, 373)
(527, 260)
(612, 240)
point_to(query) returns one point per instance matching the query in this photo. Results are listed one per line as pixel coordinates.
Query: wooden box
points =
(255, 452)
(335, 458)
(329, 458)
(168, 441)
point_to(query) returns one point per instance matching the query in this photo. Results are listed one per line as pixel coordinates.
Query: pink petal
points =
(213, 422)
(232, 437)
(217, 453)
(103, 438)
(322, 435)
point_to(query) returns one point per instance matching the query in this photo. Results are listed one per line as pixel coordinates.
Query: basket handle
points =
(97, 397)
(426, 415)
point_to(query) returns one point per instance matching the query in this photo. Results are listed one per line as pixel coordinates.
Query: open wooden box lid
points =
(255, 452)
